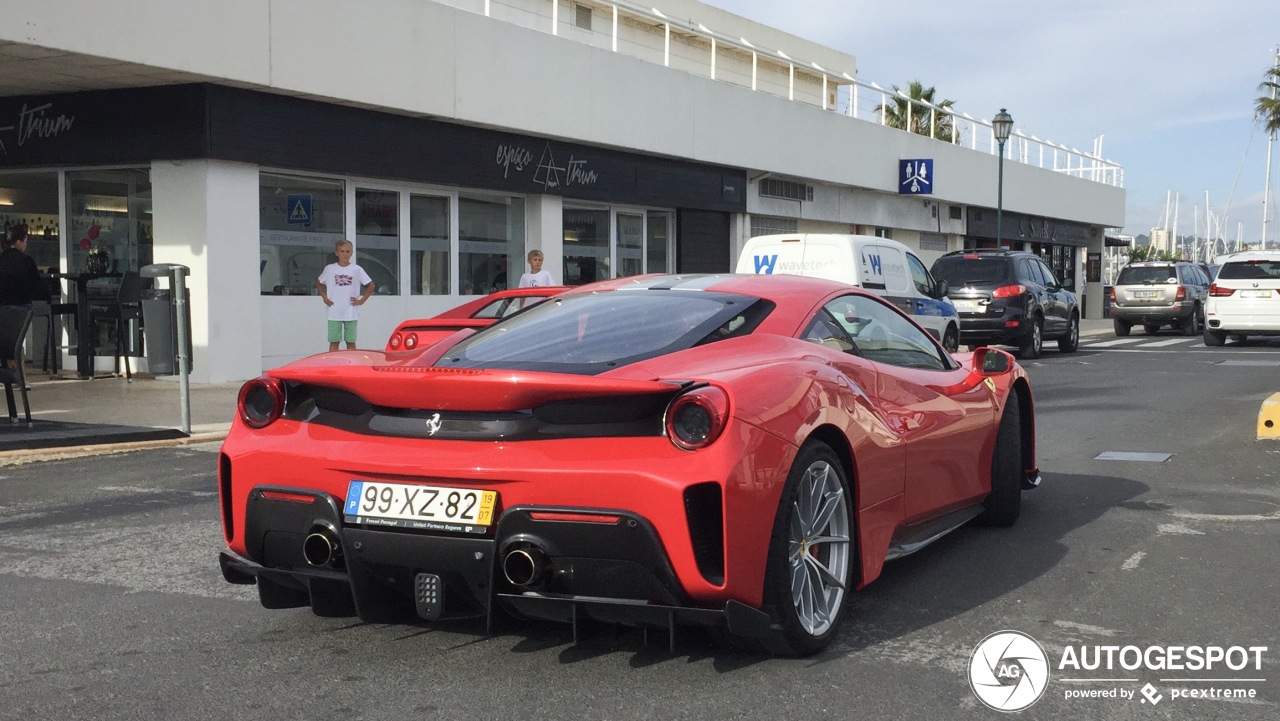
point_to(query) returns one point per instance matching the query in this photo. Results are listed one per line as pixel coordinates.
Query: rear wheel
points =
(1071, 341)
(1214, 337)
(1033, 341)
(1004, 504)
(811, 554)
(1191, 326)
(1121, 327)
(951, 339)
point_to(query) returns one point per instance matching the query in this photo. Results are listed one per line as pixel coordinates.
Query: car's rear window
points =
(1138, 274)
(962, 270)
(593, 333)
(1250, 270)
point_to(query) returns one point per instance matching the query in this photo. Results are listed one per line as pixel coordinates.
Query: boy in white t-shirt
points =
(344, 287)
(536, 277)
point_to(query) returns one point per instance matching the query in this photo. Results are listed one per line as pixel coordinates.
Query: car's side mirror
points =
(1069, 284)
(991, 361)
(940, 289)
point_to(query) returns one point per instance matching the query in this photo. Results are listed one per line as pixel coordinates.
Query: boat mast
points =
(1271, 137)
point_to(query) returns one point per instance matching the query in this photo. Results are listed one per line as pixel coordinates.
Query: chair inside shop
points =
(127, 316)
(14, 323)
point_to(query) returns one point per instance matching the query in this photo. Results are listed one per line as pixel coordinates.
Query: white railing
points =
(852, 97)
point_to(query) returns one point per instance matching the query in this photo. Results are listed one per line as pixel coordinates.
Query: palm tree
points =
(1267, 107)
(914, 110)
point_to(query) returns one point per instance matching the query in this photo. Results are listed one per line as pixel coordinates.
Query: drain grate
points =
(1130, 456)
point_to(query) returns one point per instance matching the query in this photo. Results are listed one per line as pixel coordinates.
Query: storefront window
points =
(586, 245)
(31, 200)
(109, 219)
(490, 243)
(428, 245)
(630, 244)
(378, 238)
(300, 220)
(658, 241)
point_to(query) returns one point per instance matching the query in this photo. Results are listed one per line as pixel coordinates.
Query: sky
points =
(1170, 86)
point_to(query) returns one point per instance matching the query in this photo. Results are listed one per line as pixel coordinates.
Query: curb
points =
(1269, 418)
(34, 455)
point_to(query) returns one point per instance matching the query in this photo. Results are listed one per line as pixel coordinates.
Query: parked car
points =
(1009, 297)
(1157, 293)
(739, 451)
(883, 266)
(1210, 270)
(479, 313)
(1244, 300)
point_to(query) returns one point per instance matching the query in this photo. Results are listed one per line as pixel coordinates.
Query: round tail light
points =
(410, 341)
(394, 343)
(696, 419)
(261, 402)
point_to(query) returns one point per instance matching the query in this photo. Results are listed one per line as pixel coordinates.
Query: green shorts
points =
(340, 330)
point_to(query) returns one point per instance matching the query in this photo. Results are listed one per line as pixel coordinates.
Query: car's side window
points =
(1028, 273)
(825, 331)
(882, 334)
(920, 275)
(1049, 279)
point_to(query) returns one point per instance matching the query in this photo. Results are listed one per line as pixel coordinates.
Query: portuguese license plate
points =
(967, 306)
(430, 508)
(1146, 294)
(1266, 293)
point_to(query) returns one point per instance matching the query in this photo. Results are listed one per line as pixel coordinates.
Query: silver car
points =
(1159, 293)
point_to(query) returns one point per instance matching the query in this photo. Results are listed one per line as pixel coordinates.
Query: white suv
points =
(1244, 299)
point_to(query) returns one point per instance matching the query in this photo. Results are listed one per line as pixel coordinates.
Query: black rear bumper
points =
(613, 571)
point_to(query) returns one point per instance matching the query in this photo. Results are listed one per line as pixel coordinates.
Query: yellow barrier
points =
(1269, 418)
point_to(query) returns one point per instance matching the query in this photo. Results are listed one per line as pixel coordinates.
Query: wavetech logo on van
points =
(768, 264)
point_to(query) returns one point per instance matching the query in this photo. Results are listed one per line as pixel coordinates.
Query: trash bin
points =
(160, 322)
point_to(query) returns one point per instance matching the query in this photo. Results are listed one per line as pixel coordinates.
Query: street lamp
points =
(1002, 123)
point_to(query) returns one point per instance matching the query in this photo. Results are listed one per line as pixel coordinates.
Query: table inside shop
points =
(86, 332)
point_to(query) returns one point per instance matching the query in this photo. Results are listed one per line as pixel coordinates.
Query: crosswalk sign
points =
(298, 209)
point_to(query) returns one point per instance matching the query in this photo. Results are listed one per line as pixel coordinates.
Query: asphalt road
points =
(112, 606)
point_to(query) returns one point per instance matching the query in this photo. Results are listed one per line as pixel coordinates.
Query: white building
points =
(447, 138)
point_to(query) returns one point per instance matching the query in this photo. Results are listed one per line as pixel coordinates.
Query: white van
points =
(882, 266)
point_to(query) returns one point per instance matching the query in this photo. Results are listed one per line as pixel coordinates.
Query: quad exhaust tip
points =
(322, 548)
(525, 566)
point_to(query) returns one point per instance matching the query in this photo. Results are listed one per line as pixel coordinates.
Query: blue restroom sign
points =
(915, 176)
(297, 209)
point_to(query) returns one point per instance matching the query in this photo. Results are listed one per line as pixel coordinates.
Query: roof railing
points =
(855, 98)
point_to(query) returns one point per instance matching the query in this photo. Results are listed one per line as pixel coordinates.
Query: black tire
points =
(1071, 341)
(793, 559)
(951, 339)
(1150, 329)
(1033, 342)
(1190, 326)
(1004, 504)
(1121, 327)
(1214, 337)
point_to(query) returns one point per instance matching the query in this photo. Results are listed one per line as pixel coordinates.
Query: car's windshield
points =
(1250, 270)
(592, 333)
(962, 270)
(1140, 274)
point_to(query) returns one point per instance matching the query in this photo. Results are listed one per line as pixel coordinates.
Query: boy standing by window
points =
(536, 277)
(344, 287)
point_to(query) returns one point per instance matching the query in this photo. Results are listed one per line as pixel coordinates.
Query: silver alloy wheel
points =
(818, 548)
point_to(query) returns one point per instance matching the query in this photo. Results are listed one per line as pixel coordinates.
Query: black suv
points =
(1009, 297)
